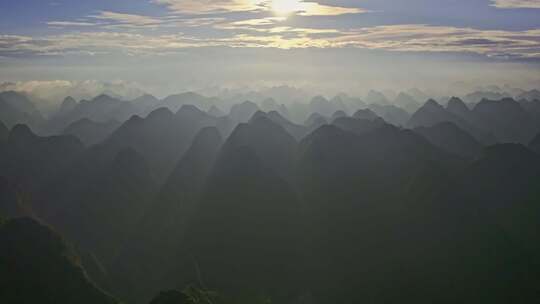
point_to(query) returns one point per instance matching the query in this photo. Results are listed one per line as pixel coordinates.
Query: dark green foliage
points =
(171, 297)
(37, 267)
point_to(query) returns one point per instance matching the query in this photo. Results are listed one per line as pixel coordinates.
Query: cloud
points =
(516, 3)
(210, 6)
(69, 23)
(316, 9)
(300, 7)
(128, 19)
(403, 38)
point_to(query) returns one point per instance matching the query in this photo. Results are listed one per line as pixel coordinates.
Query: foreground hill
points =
(38, 267)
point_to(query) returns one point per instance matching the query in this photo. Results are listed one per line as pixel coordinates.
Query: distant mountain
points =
(146, 100)
(68, 105)
(38, 267)
(417, 94)
(357, 125)
(162, 137)
(392, 114)
(375, 97)
(530, 95)
(101, 109)
(407, 102)
(216, 112)
(476, 97)
(175, 102)
(297, 131)
(20, 102)
(433, 113)
(451, 138)
(243, 112)
(507, 120)
(31, 161)
(90, 132)
(339, 114)
(16, 108)
(366, 114)
(347, 103)
(322, 106)
(273, 145)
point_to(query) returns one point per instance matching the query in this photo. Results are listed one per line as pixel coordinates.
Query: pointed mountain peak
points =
(189, 110)
(19, 132)
(104, 98)
(69, 100)
(432, 104)
(160, 114)
(257, 115)
(365, 114)
(339, 114)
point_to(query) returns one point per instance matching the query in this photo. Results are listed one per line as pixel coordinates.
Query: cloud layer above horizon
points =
(507, 30)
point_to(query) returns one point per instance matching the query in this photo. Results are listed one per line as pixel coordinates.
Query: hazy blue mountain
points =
(476, 97)
(407, 102)
(357, 125)
(323, 106)
(451, 138)
(162, 137)
(375, 97)
(101, 109)
(68, 105)
(90, 132)
(366, 114)
(215, 111)
(297, 131)
(392, 114)
(20, 102)
(16, 108)
(530, 95)
(243, 112)
(175, 102)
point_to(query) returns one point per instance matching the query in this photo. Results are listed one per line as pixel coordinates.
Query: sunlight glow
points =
(286, 7)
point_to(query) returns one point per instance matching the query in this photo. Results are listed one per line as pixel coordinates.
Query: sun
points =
(286, 7)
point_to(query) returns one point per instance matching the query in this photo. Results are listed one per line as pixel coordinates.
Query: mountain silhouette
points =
(507, 120)
(392, 114)
(243, 112)
(246, 224)
(169, 216)
(535, 144)
(90, 132)
(407, 102)
(38, 267)
(451, 138)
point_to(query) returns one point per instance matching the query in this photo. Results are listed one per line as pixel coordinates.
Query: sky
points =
(177, 45)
